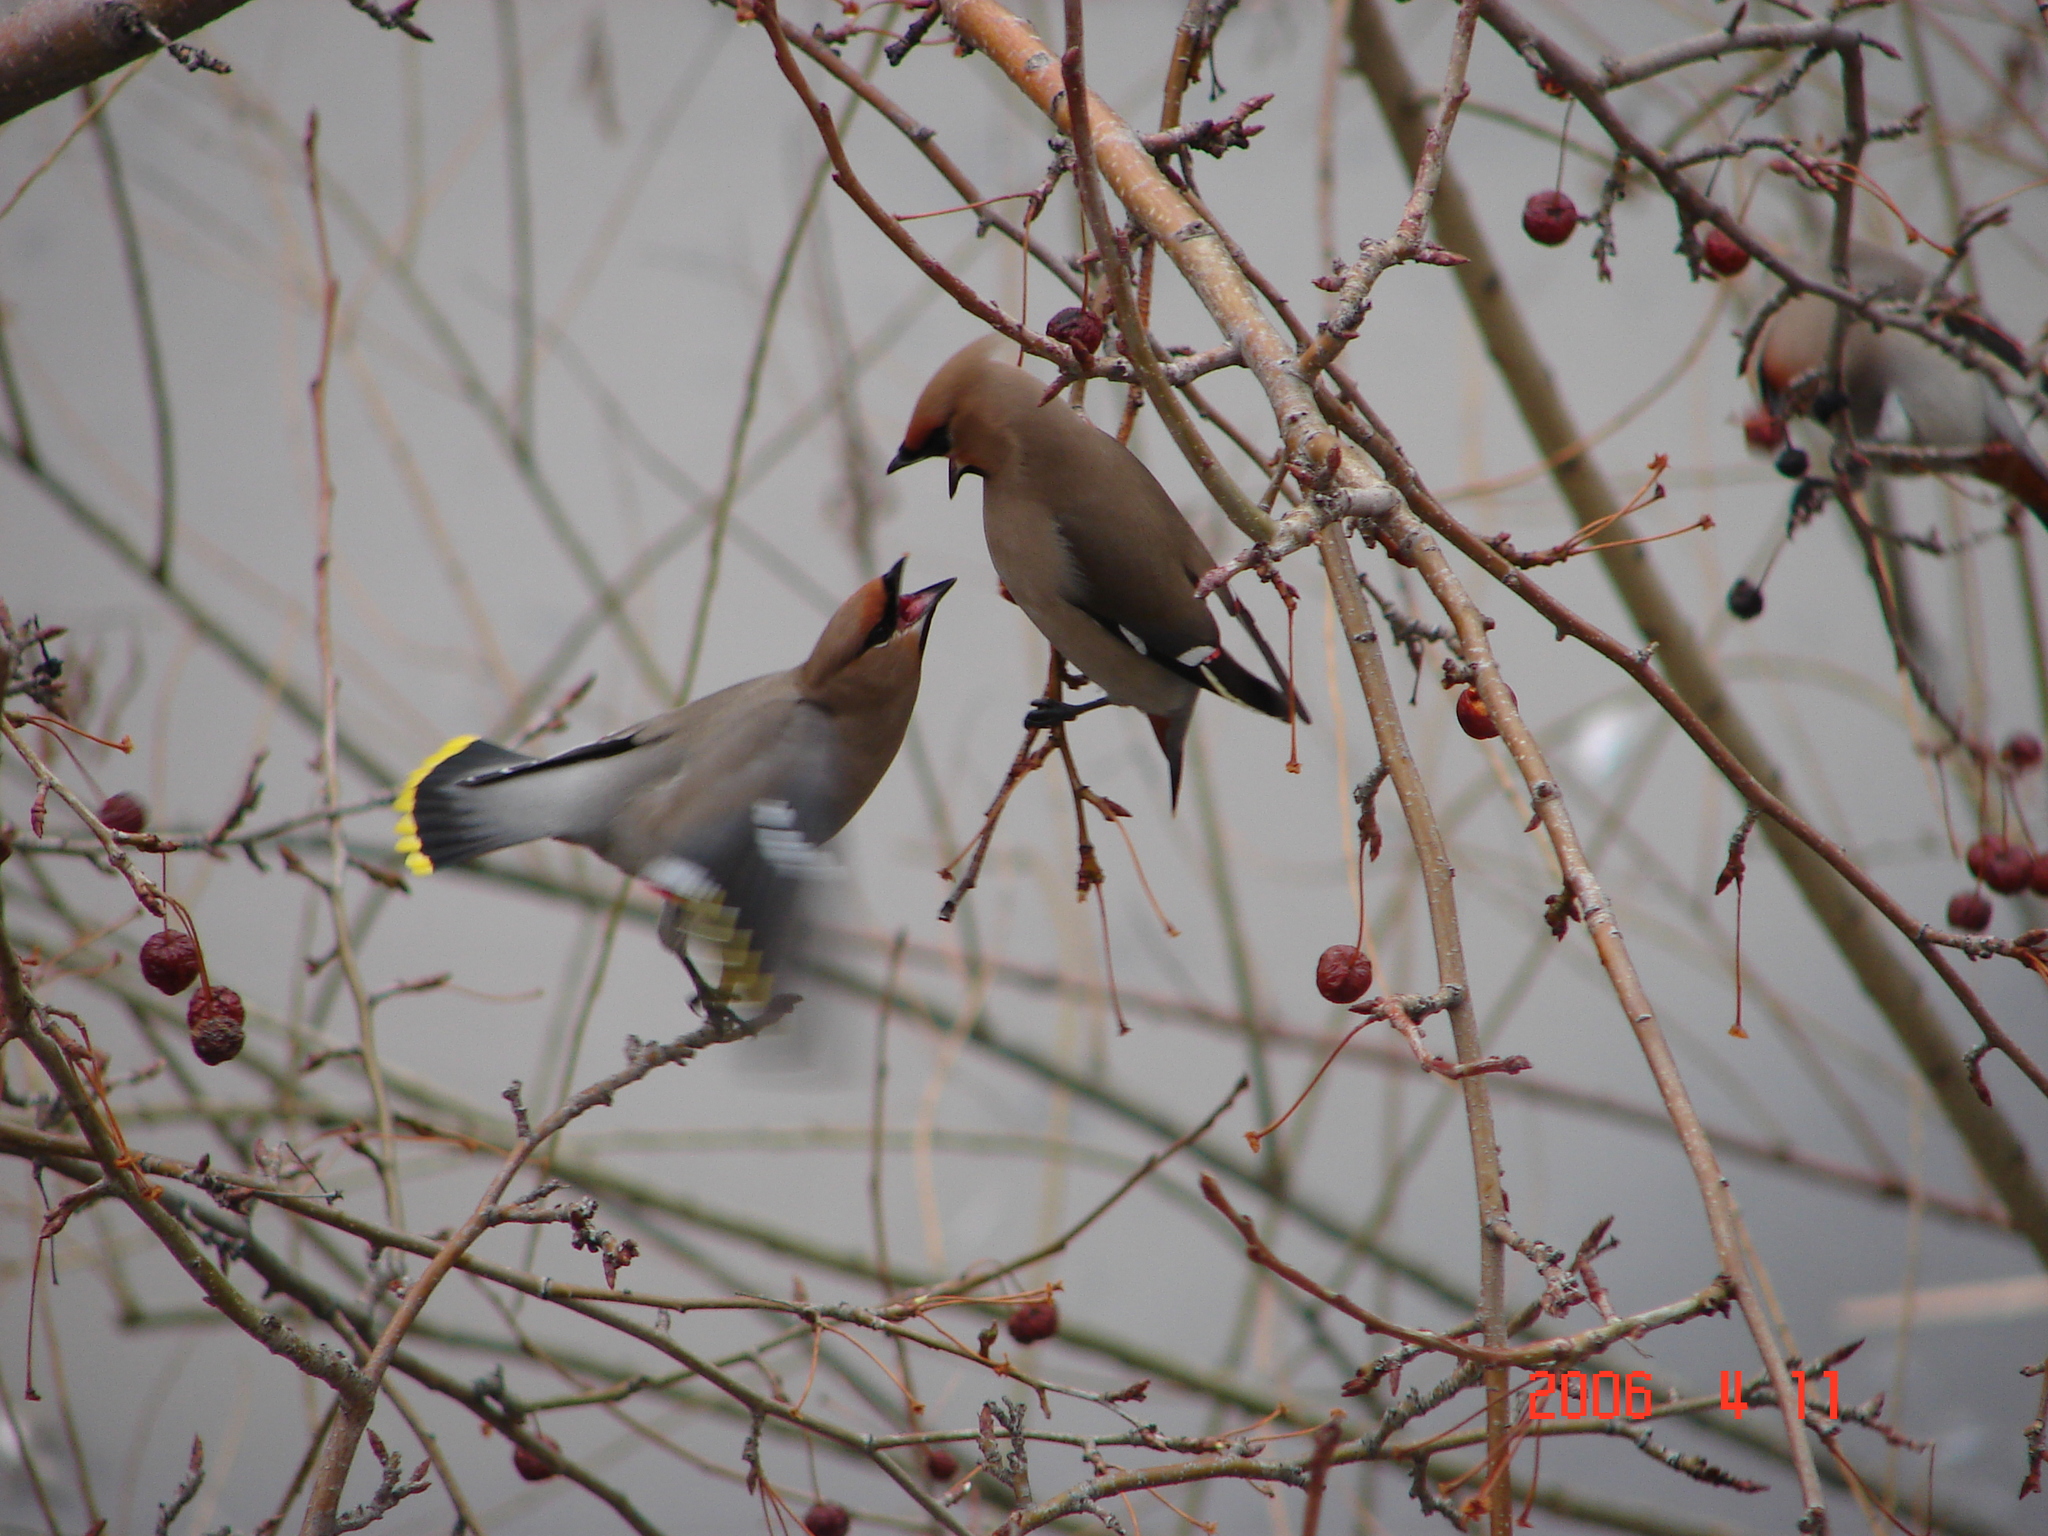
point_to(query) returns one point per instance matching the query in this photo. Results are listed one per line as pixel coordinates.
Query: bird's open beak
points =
(915, 610)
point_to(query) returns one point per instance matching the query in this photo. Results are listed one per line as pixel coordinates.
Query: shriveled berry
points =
(1081, 329)
(1550, 85)
(214, 1019)
(531, 1465)
(1723, 254)
(2021, 752)
(1828, 404)
(1978, 855)
(1034, 1321)
(940, 1464)
(1549, 217)
(1474, 719)
(827, 1519)
(169, 961)
(1343, 973)
(1969, 911)
(2038, 884)
(2010, 870)
(124, 813)
(1791, 463)
(1763, 431)
(1745, 599)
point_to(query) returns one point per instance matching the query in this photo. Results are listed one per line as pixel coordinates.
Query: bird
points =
(1089, 545)
(722, 806)
(1946, 405)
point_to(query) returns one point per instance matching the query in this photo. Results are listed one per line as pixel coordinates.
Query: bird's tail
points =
(462, 802)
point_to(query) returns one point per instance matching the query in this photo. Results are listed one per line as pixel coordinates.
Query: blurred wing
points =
(743, 881)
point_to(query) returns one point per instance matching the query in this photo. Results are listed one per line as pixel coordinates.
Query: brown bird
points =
(1946, 405)
(721, 805)
(1089, 545)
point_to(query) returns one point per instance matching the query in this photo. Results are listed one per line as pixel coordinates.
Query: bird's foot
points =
(1044, 714)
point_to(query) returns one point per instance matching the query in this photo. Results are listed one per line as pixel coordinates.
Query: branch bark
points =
(49, 47)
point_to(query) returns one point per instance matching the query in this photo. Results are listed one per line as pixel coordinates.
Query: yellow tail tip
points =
(408, 842)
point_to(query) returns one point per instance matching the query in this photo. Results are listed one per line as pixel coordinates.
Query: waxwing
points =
(1946, 405)
(1088, 544)
(721, 806)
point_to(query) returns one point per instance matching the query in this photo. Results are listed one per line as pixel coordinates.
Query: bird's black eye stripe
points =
(937, 441)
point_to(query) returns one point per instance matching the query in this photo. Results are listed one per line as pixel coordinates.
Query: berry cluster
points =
(2007, 865)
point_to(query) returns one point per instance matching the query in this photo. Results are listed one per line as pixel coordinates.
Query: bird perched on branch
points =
(1089, 545)
(1946, 404)
(721, 805)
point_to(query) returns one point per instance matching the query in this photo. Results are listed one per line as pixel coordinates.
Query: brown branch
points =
(50, 47)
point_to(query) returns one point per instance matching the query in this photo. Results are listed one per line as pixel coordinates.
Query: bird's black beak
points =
(954, 471)
(905, 457)
(916, 609)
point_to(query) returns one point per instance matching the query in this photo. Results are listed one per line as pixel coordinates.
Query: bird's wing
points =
(736, 844)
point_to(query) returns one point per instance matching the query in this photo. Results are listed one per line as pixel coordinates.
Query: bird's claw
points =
(1044, 714)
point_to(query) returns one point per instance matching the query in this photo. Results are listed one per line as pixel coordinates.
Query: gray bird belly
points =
(1038, 570)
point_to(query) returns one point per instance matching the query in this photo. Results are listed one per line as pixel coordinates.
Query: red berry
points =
(1982, 852)
(2039, 883)
(214, 1018)
(531, 1465)
(124, 813)
(940, 1464)
(1549, 217)
(1034, 1321)
(1550, 85)
(1080, 329)
(1474, 718)
(169, 961)
(2022, 752)
(2010, 870)
(1343, 973)
(1723, 254)
(1763, 431)
(827, 1519)
(1969, 911)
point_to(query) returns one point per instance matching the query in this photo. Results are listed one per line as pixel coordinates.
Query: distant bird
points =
(1088, 544)
(721, 805)
(1946, 405)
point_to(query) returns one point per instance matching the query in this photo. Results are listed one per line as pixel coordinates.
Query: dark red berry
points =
(1343, 973)
(531, 1465)
(1745, 599)
(2039, 883)
(1081, 329)
(1723, 254)
(1550, 85)
(1969, 911)
(2022, 752)
(1791, 463)
(124, 813)
(169, 961)
(1034, 1321)
(827, 1519)
(214, 1018)
(1474, 719)
(1763, 431)
(1549, 217)
(1978, 855)
(940, 1464)
(2010, 870)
